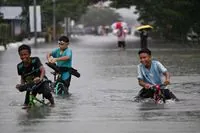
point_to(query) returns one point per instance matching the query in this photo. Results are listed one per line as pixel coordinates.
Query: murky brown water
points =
(102, 99)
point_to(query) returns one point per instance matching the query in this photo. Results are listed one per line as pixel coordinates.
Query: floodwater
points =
(102, 99)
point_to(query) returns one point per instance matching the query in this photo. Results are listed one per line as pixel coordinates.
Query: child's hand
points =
(166, 82)
(17, 86)
(53, 60)
(36, 80)
(50, 59)
(147, 86)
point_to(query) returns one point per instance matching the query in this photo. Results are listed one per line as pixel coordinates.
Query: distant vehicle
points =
(90, 30)
(77, 31)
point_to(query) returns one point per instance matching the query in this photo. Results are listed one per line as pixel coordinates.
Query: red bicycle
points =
(158, 93)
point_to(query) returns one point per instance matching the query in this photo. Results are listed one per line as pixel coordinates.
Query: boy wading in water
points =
(62, 56)
(150, 73)
(32, 72)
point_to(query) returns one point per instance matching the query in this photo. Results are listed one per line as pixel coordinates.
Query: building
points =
(12, 16)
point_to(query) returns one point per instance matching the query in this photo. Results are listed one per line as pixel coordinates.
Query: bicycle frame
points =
(33, 99)
(58, 86)
(158, 94)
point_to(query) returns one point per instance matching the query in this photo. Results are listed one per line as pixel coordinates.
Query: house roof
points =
(11, 12)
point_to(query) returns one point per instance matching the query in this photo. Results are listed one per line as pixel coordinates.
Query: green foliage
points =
(63, 8)
(1, 17)
(122, 3)
(4, 33)
(172, 18)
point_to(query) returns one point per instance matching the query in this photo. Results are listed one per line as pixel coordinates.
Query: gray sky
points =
(126, 13)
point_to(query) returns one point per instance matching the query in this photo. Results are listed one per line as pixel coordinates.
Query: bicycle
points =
(33, 100)
(159, 93)
(57, 86)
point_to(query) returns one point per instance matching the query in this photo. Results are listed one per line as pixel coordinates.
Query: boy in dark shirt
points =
(32, 72)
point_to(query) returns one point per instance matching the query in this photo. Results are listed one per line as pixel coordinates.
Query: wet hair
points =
(24, 47)
(64, 39)
(147, 51)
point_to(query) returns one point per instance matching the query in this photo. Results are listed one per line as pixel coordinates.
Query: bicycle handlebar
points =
(59, 70)
(33, 86)
(53, 66)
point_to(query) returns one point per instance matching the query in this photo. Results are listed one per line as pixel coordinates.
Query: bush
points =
(4, 33)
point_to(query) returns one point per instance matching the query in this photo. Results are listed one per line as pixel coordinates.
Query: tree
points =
(4, 34)
(169, 17)
(64, 8)
(25, 10)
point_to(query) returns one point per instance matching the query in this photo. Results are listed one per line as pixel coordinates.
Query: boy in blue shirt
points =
(150, 73)
(62, 56)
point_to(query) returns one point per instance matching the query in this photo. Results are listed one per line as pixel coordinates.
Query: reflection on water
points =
(102, 99)
(33, 116)
(38, 112)
(150, 105)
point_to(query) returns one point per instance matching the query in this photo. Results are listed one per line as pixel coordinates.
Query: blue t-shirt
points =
(67, 52)
(153, 75)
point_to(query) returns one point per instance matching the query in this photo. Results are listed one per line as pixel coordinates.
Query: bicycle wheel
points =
(59, 89)
(31, 101)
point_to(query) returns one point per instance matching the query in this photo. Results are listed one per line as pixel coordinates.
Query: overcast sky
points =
(127, 13)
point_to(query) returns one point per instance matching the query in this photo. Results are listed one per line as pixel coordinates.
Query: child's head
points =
(24, 52)
(63, 42)
(145, 56)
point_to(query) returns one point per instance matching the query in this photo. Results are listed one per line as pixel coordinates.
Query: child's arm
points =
(54, 60)
(21, 83)
(42, 74)
(66, 56)
(49, 56)
(42, 71)
(63, 58)
(165, 73)
(167, 78)
(144, 84)
(140, 79)
(22, 80)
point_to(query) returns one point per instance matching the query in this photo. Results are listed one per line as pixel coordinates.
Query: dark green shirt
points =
(28, 73)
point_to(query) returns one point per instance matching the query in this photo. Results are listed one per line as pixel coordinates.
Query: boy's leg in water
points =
(119, 44)
(26, 101)
(142, 44)
(145, 43)
(24, 88)
(145, 93)
(45, 90)
(141, 41)
(124, 44)
(67, 84)
(169, 95)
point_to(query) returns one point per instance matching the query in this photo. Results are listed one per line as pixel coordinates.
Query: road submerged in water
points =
(102, 99)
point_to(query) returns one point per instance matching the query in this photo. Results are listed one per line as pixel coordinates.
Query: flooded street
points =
(102, 98)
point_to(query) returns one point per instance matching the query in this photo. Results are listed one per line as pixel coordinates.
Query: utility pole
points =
(54, 20)
(35, 22)
(65, 30)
